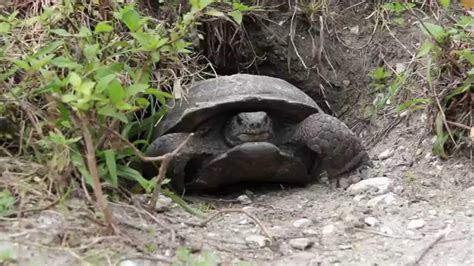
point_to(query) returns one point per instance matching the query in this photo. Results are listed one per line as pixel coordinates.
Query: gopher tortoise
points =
(249, 128)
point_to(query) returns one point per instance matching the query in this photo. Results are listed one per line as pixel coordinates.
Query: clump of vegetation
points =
(447, 60)
(81, 79)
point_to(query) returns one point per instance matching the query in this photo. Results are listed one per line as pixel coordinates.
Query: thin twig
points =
(154, 258)
(92, 165)
(251, 216)
(139, 154)
(167, 158)
(442, 234)
(33, 210)
(458, 125)
(383, 234)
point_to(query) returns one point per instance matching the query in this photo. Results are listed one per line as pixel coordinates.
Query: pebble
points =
(387, 199)
(371, 221)
(328, 229)
(301, 243)
(304, 222)
(469, 192)
(416, 224)
(244, 199)
(385, 154)
(257, 240)
(381, 184)
(353, 221)
(309, 232)
(128, 263)
(163, 203)
(359, 197)
(386, 230)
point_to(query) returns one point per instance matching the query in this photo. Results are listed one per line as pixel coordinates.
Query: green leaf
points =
(469, 56)
(67, 98)
(415, 103)
(103, 27)
(22, 64)
(64, 62)
(241, 7)
(425, 48)
(36, 64)
(78, 162)
(437, 31)
(112, 112)
(116, 91)
(91, 50)
(4, 27)
(47, 49)
(445, 3)
(86, 87)
(214, 13)
(134, 175)
(136, 89)
(61, 32)
(237, 16)
(84, 32)
(131, 18)
(74, 79)
(104, 82)
(111, 166)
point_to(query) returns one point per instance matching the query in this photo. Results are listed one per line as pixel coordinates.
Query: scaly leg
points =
(341, 150)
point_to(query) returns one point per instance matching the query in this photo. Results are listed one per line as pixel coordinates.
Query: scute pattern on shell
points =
(239, 92)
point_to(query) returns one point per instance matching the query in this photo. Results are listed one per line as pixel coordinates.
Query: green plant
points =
(7, 201)
(448, 53)
(86, 78)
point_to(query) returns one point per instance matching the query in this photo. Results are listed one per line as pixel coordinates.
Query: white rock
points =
(244, 199)
(244, 222)
(387, 199)
(328, 229)
(400, 67)
(371, 221)
(359, 197)
(469, 192)
(355, 29)
(302, 223)
(258, 240)
(381, 184)
(416, 224)
(386, 230)
(308, 232)
(386, 154)
(128, 263)
(163, 203)
(433, 212)
(301, 243)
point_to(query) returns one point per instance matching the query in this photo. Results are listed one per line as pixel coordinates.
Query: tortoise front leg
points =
(340, 149)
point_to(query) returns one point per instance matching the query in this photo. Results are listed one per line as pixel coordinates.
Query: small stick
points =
(167, 158)
(442, 234)
(155, 258)
(251, 216)
(92, 165)
(383, 234)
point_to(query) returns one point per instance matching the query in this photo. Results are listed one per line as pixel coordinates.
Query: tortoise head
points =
(248, 127)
